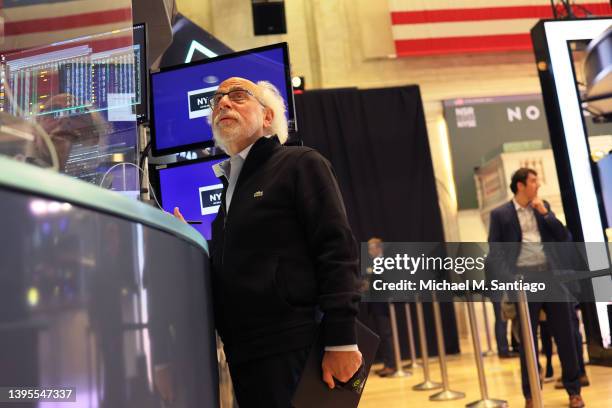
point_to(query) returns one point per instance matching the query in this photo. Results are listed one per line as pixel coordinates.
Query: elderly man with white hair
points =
(285, 262)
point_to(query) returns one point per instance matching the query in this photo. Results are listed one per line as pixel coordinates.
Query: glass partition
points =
(71, 105)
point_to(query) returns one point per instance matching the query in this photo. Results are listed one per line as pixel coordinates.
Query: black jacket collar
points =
(262, 149)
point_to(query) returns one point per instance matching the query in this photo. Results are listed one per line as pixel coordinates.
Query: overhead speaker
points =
(269, 17)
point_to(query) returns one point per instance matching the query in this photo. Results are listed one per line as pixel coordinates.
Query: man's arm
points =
(494, 228)
(551, 222)
(496, 265)
(323, 216)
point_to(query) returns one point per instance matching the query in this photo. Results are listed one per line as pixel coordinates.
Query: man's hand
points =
(538, 205)
(341, 365)
(178, 215)
(164, 382)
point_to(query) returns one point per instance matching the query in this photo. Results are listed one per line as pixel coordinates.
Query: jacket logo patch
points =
(258, 194)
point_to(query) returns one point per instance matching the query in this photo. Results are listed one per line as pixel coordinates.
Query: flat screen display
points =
(192, 187)
(179, 107)
(140, 54)
(91, 90)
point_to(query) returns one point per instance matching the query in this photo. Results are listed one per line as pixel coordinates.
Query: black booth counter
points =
(100, 294)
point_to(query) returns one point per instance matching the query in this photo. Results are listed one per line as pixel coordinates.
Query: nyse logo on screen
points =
(210, 198)
(466, 117)
(198, 102)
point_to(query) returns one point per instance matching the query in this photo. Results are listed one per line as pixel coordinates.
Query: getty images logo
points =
(210, 198)
(198, 102)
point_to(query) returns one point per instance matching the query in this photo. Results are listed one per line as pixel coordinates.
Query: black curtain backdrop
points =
(376, 140)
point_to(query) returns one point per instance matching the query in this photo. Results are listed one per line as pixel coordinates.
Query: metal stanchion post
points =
(485, 314)
(427, 384)
(446, 394)
(531, 358)
(413, 362)
(485, 401)
(145, 194)
(396, 347)
(582, 333)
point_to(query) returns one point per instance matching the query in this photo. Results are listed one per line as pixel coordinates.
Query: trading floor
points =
(503, 376)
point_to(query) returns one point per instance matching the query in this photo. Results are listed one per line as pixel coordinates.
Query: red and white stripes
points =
(429, 27)
(42, 23)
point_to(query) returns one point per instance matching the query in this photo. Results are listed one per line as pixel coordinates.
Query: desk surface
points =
(46, 183)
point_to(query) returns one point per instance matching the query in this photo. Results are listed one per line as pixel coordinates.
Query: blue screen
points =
(195, 190)
(605, 178)
(180, 112)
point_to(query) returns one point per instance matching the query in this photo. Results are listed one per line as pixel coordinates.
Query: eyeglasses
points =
(235, 95)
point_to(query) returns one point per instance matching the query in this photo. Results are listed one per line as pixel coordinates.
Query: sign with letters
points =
(210, 198)
(477, 128)
(198, 102)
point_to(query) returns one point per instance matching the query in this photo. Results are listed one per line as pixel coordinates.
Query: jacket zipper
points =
(224, 232)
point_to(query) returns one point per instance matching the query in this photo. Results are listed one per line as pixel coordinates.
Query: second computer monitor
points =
(179, 94)
(193, 187)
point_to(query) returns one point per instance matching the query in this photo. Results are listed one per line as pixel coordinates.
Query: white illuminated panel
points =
(196, 46)
(558, 33)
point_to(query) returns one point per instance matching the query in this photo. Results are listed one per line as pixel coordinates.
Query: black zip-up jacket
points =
(284, 251)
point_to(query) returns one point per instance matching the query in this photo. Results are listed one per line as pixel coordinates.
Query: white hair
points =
(271, 97)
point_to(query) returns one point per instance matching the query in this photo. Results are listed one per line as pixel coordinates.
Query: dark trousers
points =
(546, 339)
(501, 331)
(559, 320)
(380, 314)
(269, 382)
(578, 335)
(547, 346)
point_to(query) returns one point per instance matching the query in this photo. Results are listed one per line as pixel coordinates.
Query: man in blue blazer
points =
(529, 220)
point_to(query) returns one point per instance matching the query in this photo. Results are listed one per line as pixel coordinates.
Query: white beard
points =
(225, 136)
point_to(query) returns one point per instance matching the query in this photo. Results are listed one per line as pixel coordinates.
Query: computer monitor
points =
(605, 187)
(178, 106)
(141, 72)
(192, 187)
(105, 72)
(90, 87)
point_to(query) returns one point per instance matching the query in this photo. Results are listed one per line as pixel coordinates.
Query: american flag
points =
(33, 23)
(429, 27)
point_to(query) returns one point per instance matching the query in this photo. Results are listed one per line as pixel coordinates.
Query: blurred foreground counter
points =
(101, 293)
